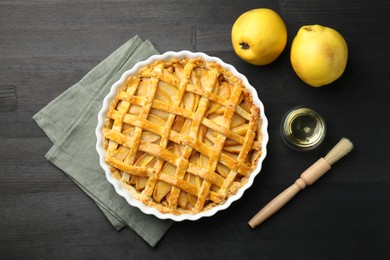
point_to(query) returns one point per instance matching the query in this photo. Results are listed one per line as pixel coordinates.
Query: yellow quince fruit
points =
(259, 36)
(318, 55)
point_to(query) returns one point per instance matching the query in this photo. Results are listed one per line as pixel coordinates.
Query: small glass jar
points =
(303, 128)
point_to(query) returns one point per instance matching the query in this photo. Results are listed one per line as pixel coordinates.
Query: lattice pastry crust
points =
(182, 135)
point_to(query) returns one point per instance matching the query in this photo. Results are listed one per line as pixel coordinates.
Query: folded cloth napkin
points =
(70, 121)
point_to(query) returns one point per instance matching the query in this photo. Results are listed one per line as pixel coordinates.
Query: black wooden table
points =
(48, 45)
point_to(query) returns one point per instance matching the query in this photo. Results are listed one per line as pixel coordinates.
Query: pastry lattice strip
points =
(127, 97)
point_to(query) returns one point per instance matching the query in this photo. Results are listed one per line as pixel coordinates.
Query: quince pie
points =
(182, 135)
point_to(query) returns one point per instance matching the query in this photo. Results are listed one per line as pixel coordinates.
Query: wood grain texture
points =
(46, 46)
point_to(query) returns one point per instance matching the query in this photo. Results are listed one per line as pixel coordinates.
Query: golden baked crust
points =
(182, 135)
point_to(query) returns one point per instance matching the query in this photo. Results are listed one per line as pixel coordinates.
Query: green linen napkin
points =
(70, 121)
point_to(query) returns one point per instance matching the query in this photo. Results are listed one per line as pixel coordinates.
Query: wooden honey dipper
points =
(308, 177)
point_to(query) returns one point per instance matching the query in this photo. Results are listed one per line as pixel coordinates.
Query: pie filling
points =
(182, 135)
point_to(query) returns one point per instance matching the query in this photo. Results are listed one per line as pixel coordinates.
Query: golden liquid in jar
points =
(303, 128)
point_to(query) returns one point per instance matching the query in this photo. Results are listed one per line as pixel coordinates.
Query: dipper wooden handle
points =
(308, 177)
